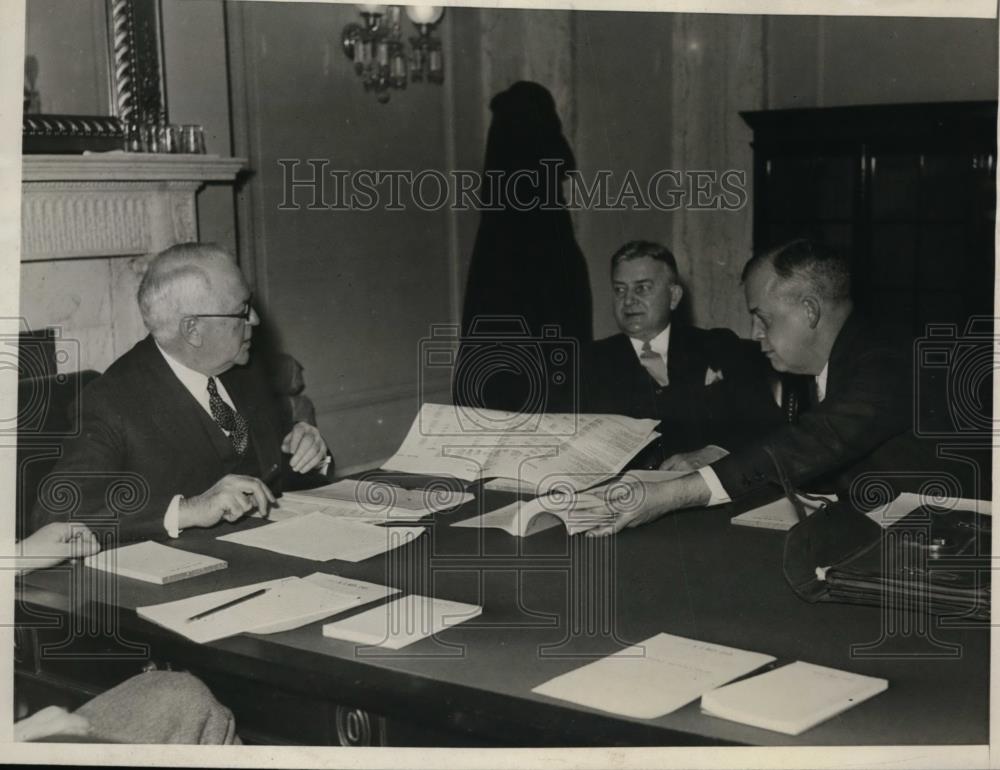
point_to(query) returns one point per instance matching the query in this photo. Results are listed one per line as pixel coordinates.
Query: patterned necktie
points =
(228, 418)
(654, 364)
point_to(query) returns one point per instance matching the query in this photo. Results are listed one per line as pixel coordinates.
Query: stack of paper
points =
(154, 562)
(369, 500)
(780, 514)
(285, 604)
(475, 444)
(320, 537)
(401, 622)
(577, 511)
(791, 699)
(654, 677)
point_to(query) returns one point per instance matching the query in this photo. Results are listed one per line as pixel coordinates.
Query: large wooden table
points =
(551, 603)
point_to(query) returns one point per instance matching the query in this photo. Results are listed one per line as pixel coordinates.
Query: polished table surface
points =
(551, 604)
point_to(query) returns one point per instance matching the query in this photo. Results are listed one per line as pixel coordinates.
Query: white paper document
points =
(402, 621)
(791, 699)
(286, 603)
(154, 562)
(523, 518)
(320, 537)
(483, 443)
(780, 514)
(907, 502)
(374, 499)
(654, 677)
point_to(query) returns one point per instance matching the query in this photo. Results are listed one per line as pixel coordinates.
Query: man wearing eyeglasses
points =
(182, 431)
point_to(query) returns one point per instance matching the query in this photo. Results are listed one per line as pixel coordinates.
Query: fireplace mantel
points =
(89, 224)
(108, 205)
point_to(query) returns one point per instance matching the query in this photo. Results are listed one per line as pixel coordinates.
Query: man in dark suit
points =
(180, 431)
(706, 386)
(861, 417)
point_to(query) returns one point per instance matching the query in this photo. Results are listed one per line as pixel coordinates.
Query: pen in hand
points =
(227, 605)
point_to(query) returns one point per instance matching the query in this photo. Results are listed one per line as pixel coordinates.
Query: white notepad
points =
(791, 699)
(289, 603)
(320, 537)
(780, 514)
(402, 621)
(654, 677)
(154, 562)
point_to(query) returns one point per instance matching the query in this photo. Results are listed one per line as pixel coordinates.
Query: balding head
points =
(802, 268)
(799, 297)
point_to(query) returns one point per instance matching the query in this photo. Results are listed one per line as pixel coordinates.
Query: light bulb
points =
(424, 14)
(371, 8)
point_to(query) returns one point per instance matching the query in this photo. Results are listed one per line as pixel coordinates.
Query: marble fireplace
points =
(89, 225)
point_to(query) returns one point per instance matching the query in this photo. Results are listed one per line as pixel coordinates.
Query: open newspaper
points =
(579, 450)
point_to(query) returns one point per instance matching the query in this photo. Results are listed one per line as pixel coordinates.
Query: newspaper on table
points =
(470, 444)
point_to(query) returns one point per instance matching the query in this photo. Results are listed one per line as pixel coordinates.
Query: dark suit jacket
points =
(728, 412)
(864, 424)
(144, 439)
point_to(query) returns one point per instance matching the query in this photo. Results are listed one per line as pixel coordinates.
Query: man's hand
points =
(692, 461)
(631, 503)
(54, 543)
(306, 446)
(229, 498)
(48, 722)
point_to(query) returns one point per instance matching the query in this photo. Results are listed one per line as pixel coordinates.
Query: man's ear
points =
(814, 310)
(190, 331)
(676, 293)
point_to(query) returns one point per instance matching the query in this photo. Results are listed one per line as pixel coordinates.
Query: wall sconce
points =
(379, 54)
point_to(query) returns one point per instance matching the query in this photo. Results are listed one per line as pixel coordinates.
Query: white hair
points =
(177, 281)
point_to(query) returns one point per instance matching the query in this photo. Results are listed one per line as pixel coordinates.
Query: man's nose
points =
(757, 330)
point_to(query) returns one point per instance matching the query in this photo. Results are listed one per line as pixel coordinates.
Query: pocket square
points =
(712, 376)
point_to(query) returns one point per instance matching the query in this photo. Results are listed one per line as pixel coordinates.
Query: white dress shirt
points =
(718, 492)
(197, 385)
(660, 344)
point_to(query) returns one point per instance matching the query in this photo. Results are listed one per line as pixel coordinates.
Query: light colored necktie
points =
(654, 364)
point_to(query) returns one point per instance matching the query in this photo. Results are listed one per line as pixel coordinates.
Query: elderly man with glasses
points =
(181, 431)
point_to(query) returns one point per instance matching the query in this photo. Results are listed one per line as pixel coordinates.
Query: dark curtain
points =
(528, 308)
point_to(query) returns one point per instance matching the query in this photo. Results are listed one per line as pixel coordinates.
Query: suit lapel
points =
(843, 351)
(179, 417)
(266, 442)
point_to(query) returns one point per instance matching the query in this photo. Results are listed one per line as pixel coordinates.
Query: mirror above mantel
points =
(93, 68)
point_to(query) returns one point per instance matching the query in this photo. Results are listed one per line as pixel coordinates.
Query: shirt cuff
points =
(171, 519)
(711, 478)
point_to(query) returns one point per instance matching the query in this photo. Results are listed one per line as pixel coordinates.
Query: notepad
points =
(319, 537)
(654, 677)
(793, 698)
(780, 514)
(289, 603)
(154, 562)
(401, 622)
